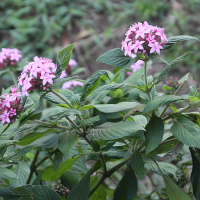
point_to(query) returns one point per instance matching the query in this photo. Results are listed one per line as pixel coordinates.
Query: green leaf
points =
(167, 88)
(171, 65)
(37, 192)
(28, 139)
(54, 98)
(21, 152)
(193, 91)
(22, 170)
(184, 78)
(187, 132)
(166, 168)
(195, 176)
(137, 164)
(163, 148)
(92, 83)
(174, 191)
(6, 173)
(47, 173)
(64, 166)
(109, 87)
(63, 58)
(127, 187)
(111, 108)
(173, 40)
(90, 121)
(36, 114)
(160, 101)
(8, 193)
(113, 131)
(172, 154)
(100, 192)
(116, 58)
(154, 133)
(66, 141)
(81, 190)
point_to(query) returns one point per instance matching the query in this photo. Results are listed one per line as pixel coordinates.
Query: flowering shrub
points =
(64, 143)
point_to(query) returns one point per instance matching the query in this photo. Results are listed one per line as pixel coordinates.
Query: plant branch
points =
(32, 167)
(52, 125)
(45, 158)
(109, 173)
(141, 146)
(145, 79)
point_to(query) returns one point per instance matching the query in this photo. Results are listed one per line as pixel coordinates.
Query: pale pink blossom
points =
(71, 84)
(155, 47)
(143, 39)
(37, 74)
(47, 78)
(9, 57)
(137, 45)
(5, 117)
(9, 107)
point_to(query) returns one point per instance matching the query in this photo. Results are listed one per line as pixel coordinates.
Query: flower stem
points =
(145, 79)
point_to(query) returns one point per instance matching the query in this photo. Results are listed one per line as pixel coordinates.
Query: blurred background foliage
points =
(42, 28)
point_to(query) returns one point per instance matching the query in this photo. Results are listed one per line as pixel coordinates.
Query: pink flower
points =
(138, 45)
(37, 74)
(143, 39)
(71, 84)
(155, 47)
(9, 107)
(13, 89)
(128, 50)
(47, 78)
(5, 117)
(141, 32)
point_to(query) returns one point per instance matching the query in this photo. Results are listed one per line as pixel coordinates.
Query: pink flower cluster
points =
(10, 106)
(71, 84)
(68, 69)
(37, 74)
(9, 57)
(173, 83)
(143, 39)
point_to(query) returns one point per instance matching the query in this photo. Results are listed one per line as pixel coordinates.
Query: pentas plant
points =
(10, 106)
(106, 138)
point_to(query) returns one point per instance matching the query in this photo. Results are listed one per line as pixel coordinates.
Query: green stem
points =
(180, 111)
(141, 146)
(108, 174)
(52, 125)
(32, 167)
(45, 158)
(13, 77)
(145, 79)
